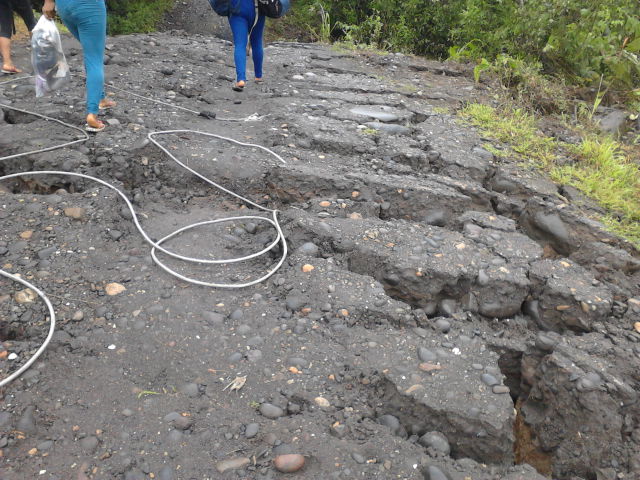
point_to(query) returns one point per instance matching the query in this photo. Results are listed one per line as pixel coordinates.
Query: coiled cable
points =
(155, 245)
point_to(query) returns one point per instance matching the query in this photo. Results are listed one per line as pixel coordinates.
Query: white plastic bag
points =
(49, 63)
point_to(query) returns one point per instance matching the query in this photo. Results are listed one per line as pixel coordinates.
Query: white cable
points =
(154, 245)
(16, 79)
(52, 326)
(85, 135)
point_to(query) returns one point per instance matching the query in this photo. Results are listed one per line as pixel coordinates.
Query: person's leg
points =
(257, 49)
(5, 51)
(240, 29)
(25, 10)
(65, 11)
(6, 29)
(92, 27)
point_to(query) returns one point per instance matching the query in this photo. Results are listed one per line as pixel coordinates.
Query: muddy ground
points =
(464, 316)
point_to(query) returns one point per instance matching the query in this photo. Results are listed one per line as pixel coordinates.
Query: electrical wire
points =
(155, 245)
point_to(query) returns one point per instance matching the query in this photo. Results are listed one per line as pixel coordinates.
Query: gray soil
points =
(465, 317)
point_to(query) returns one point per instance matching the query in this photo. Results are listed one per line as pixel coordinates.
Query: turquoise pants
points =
(87, 21)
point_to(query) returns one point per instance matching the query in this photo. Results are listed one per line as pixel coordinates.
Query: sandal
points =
(106, 105)
(101, 126)
(259, 80)
(11, 70)
(239, 86)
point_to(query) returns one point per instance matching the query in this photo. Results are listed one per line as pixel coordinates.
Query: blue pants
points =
(241, 24)
(87, 21)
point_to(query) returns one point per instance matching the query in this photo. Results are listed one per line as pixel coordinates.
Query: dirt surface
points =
(196, 17)
(462, 313)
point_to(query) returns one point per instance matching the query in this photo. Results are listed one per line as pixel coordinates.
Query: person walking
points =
(87, 22)
(247, 25)
(7, 29)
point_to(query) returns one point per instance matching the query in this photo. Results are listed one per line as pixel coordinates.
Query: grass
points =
(137, 16)
(516, 128)
(21, 29)
(145, 393)
(600, 167)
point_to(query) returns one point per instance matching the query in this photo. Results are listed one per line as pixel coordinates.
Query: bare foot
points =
(94, 124)
(106, 103)
(10, 69)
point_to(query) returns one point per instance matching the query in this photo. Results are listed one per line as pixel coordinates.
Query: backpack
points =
(273, 8)
(221, 7)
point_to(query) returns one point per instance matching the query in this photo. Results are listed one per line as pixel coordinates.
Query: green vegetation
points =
(599, 167)
(130, 16)
(577, 40)
(145, 393)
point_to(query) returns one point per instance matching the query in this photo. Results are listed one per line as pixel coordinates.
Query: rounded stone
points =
(547, 341)
(489, 379)
(271, 411)
(434, 473)
(297, 362)
(390, 421)
(190, 389)
(436, 217)
(183, 423)
(426, 355)
(308, 248)
(251, 430)
(437, 441)
(235, 357)
(443, 325)
(89, 444)
(358, 458)
(27, 422)
(166, 473)
(289, 463)
(500, 389)
(294, 302)
(254, 355)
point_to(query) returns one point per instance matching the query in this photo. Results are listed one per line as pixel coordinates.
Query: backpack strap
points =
(257, 14)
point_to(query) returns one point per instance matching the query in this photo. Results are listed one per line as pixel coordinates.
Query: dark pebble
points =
(166, 473)
(358, 458)
(89, 444)
(390, 421)
(271, 411)
(434, 473)
(489, 380)
(426, 355)
(443, 325)
(251, 430)
(437, 441)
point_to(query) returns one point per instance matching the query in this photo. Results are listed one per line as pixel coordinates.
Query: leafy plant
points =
(130, 16)
(600, 168)
(582, 40)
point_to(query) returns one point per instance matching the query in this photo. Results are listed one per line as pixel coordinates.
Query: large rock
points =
(447, 395)
(568, 297)
(580, 404)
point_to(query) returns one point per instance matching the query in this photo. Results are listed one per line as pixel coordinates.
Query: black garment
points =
(22, 8)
